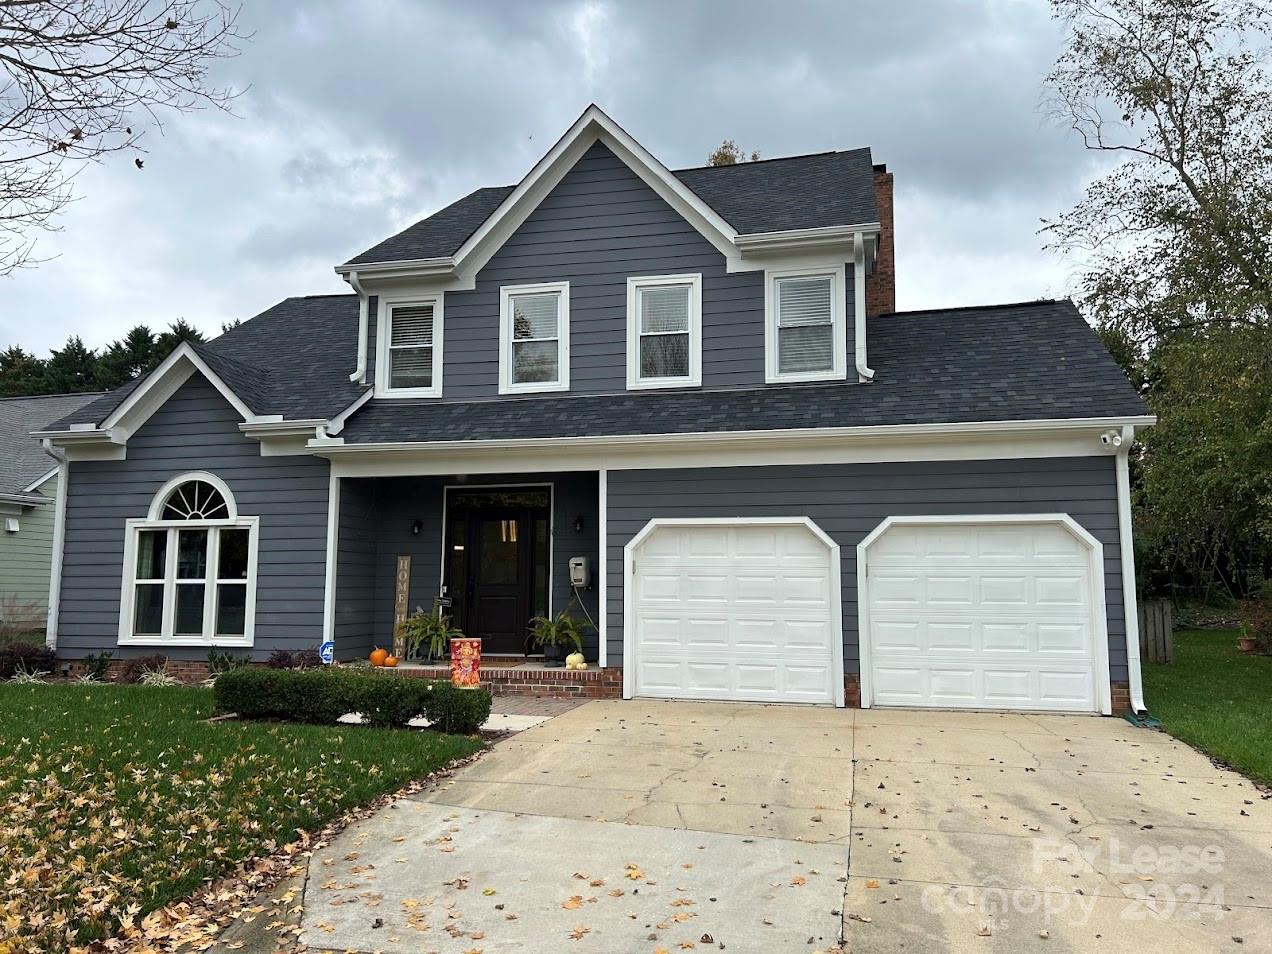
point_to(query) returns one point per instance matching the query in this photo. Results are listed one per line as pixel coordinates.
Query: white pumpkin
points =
(575, 661)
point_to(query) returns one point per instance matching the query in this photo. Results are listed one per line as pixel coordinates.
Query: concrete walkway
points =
(639, 826)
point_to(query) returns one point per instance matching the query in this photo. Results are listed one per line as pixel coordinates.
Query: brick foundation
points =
(852, 690)
(543, 683)
(187, 670)
(1121, 697)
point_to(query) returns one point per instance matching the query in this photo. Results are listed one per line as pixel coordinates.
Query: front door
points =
(498, 542)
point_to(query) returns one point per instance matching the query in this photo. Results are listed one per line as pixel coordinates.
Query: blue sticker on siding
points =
(327, 652)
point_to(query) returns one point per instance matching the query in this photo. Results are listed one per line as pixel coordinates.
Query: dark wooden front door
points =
(498, 598)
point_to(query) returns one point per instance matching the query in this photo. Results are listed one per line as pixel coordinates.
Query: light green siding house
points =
(29, 483)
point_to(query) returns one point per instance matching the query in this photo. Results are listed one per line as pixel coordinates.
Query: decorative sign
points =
(401, 596)
(327, 652)
(465, 662)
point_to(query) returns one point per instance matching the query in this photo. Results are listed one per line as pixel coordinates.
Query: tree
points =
(21, 373)
(130, 357)
(76, 79)
(71, 370)
(179, 331)
(1179, 235)
(728, 154)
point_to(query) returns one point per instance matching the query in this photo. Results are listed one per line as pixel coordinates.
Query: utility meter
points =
(580, 572)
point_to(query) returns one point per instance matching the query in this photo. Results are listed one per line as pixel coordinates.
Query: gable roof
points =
(1020, 362)
(22, 458)
(770, 195)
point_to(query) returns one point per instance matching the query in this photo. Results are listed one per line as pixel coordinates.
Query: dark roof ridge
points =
(1033, 302)
(59, 394)
(757, 162)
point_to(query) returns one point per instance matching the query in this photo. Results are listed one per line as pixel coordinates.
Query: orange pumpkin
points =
(390, 661)
(378, 656)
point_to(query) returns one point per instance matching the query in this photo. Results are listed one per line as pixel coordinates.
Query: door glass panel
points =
(192, 554)
(232, 562)
(152, 554)
(148, 612)
(190, 609)
(231, 609)
(498, 539)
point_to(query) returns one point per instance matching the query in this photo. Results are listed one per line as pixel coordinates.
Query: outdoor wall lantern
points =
(416, 527)
(578, 524)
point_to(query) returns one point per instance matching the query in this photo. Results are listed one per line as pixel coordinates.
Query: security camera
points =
(1111, 439)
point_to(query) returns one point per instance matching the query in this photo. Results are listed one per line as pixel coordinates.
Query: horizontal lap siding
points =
(354, 631)
(849, 500)
(196, 430)
(26, 558)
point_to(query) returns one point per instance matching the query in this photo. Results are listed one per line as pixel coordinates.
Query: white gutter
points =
(59, 544)
(336, 424)
(360, 372)
(1126, 547)
(864, 371)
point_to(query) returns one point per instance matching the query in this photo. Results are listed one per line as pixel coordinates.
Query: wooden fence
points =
(1156, 631)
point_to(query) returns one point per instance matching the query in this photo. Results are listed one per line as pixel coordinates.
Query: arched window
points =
(190, 568)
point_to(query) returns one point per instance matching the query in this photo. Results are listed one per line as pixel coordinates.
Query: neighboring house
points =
(28, 506)
(694, 382)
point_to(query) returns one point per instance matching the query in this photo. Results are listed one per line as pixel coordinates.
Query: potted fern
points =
(556, 634)
(430, 632)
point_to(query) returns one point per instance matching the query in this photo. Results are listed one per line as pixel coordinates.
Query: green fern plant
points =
(429, 630)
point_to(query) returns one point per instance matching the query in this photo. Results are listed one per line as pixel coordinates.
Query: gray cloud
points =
(359, 119)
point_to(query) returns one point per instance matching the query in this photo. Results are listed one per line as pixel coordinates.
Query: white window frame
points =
(153, 521)
(839, 323)
(635, 382)
(383, 335)
(506, 293)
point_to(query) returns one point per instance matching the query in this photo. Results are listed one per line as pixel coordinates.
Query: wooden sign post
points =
(401, 597)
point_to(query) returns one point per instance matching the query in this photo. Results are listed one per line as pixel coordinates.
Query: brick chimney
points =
(881, 283)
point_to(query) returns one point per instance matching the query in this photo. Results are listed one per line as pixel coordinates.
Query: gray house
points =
(680, 403)
(29, 482)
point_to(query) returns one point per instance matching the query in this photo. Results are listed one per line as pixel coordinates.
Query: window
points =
(190, 569)
(534, 338)
(664, 331)
(806, 337)
(409, 359)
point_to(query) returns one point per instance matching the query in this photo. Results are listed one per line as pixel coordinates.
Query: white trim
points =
(137, 398)
(602, 568)
(1126, 548)
(35, 484)
(562, 382)
(1099, 611)
(693, 281)
(383, 330)
(161, 496)
(337, 423)
(864, 371)
(333, 551)
(59, 548)
(836, 589)
(804, 241)
(447, 488)
(839, 332)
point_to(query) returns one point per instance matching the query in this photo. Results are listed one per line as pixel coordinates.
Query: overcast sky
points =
(360, 118)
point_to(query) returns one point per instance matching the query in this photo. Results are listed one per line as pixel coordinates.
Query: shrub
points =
(133, 669)
(222, 660)
(281, 659)
(324, 694)
(97, 665)
(27, 658)
(1256, 618)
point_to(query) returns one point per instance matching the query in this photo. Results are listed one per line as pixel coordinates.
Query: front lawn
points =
(120, 799)
(1216, 699)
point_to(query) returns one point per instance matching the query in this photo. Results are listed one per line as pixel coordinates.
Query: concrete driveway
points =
(645, 826)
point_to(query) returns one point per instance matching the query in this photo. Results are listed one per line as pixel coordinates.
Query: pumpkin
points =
(378, 656)
(575, 661)
(390, 661)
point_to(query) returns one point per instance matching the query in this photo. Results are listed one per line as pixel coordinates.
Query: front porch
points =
(493, 552)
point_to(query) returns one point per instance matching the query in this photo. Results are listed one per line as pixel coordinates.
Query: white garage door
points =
(734, 611)
(984, 616)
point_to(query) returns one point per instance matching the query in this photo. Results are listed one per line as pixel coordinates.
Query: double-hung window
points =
(410, 355)
(806, 339)
(190, 569)
(664, 331)
(534, 338)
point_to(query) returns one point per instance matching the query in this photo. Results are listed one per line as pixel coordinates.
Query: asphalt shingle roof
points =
(22, 458)
(800, 192)
(1037, 360)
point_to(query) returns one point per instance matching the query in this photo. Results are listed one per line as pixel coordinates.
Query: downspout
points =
(1126, 548)
(864, 372)
(359, 375)
(59, 543)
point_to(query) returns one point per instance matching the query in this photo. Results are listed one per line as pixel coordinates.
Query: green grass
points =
(120, 799)
(1217, 699)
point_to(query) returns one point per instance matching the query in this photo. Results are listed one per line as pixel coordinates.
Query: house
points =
(679, 403)
(29, 480)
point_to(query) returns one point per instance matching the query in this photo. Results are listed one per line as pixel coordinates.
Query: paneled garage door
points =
(745, 611)
(1004, 615)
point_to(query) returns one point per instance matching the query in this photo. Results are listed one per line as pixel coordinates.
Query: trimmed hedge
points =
(324, 695)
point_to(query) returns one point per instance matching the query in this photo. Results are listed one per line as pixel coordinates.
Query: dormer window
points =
(664, 331)
(534, 338)
(806, 338)
(409, 359)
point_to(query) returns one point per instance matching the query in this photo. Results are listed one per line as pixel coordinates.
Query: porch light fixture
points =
(578, 524)
(416, 527)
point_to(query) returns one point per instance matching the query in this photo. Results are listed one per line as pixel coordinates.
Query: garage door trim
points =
(1099, 617)
(629, 573)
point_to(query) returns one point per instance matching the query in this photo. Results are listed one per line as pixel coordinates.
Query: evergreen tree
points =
(21, 373)
(72, 369)
(130, 357)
